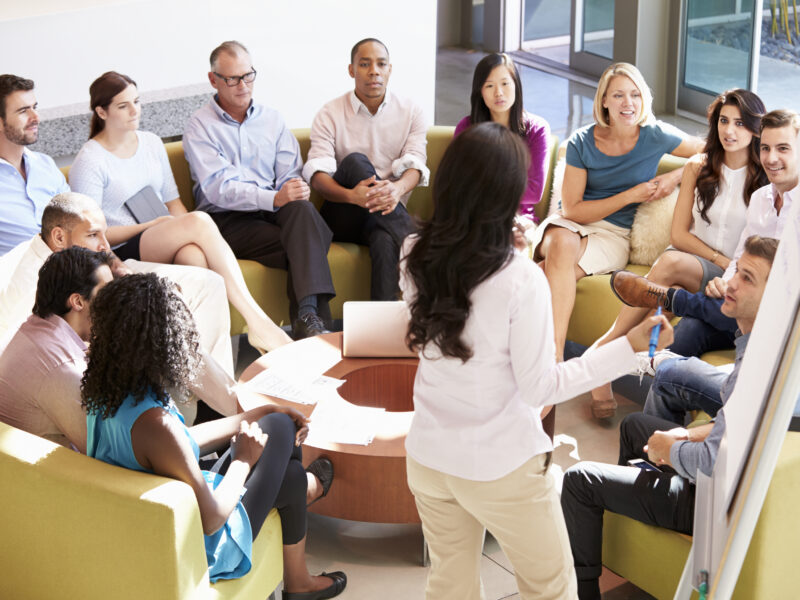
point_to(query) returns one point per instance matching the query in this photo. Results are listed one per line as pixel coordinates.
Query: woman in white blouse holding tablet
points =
(116, 163)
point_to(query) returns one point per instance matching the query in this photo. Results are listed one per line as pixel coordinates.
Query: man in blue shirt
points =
(664, 498)
(246, 166)
(27, 179)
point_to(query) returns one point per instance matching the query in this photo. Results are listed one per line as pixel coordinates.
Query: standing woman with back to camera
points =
(481, 319)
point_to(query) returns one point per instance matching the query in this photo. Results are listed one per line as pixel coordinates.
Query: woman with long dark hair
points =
(497, 96)
(116, 163)
(711, 210)
(143, 349)
(481, 319)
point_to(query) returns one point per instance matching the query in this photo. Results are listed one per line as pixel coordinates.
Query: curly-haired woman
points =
(143, 348)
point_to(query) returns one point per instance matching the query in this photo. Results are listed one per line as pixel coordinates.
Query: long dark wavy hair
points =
(143, 340)
(479, 112)
(752, 109)
(101, 93)
(476, 194)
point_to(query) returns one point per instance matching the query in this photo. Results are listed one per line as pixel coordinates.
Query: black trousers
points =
(664, 499)
(384, 234)
(278, 480)
(294, 238)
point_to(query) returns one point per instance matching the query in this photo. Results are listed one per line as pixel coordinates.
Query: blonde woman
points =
(611, 168)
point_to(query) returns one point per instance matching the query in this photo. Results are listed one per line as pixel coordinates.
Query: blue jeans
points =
(703, 327)
(684, 384)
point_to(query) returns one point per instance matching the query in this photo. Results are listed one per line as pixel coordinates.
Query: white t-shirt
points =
(479, 420)
(111, 180)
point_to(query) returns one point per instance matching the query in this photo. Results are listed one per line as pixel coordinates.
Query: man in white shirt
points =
(367, 154)
(703, 327)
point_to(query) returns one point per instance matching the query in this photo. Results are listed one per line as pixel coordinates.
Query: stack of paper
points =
(292, 387)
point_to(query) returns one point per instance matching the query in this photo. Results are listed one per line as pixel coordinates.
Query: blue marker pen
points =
(654, 333)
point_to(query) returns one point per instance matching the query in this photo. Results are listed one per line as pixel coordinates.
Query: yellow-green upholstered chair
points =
(653, 558)
(73, 527)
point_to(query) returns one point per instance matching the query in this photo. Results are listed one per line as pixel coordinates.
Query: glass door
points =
(577, 34)
(718, 42)
(592, 36)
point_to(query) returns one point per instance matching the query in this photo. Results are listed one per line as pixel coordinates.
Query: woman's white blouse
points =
(479, 420)
(111, 180)
(728, 214)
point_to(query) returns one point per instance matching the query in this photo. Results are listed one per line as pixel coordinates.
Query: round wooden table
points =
(369, 481)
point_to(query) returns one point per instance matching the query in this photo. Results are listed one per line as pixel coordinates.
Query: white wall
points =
(301, 48)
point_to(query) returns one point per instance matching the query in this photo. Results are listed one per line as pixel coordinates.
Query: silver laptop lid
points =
(375, 329)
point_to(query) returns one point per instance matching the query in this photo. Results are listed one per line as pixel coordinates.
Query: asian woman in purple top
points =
(497, 96)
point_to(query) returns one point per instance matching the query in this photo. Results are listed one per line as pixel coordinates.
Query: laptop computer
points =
(375, 329)
(145, 205)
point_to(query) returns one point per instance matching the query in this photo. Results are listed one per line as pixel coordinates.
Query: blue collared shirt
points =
(239, 166)
(690, 457)
(22, 202)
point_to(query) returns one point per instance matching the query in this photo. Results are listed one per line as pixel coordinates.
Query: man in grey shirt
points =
(664, 498)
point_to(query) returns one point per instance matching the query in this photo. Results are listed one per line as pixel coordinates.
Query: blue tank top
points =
(228, 550)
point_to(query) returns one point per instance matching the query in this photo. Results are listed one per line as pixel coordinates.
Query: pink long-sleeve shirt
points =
(536, 138)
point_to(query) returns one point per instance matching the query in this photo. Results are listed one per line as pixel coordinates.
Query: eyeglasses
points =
(236, 79)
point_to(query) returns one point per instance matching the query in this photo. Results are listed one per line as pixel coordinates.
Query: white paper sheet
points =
(337, 421)
(290, 386)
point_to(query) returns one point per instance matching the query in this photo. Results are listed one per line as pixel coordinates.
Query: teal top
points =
(228, 550)
(610, 175)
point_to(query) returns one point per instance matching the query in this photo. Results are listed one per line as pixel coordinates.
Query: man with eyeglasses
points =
(246, 166)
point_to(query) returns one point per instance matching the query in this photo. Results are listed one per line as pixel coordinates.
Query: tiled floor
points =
(384, 561)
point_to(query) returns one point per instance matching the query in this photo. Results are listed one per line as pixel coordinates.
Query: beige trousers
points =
(521, 510)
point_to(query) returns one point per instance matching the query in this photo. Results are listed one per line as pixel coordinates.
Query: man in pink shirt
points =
(72, 219)
(42, 365)
(367, 154)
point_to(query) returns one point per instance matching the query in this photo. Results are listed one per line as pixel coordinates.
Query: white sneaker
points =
(644, 365)
(647, 366)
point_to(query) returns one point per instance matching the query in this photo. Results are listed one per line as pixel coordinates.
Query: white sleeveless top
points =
(728, 214)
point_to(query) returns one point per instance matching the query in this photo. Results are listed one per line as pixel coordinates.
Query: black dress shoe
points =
(334, 589)
(309, 325)
(322, 469)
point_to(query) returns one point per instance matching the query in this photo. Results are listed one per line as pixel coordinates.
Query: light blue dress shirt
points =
(22, 202)
(239, 166)
(690, 457)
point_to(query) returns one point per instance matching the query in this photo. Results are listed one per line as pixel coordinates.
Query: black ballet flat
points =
(334, 589)
(322, 469)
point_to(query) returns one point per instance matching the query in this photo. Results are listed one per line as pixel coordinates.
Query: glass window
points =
(546, 29)
(719, 37)
(779, 62)
(598, 28)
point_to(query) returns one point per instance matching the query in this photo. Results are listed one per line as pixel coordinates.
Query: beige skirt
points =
(607, 246)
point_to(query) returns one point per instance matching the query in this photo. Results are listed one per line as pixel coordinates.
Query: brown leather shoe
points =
(635, 290)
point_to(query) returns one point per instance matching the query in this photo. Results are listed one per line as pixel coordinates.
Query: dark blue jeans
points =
(703, 328)
(384, 234)
(684, 384)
